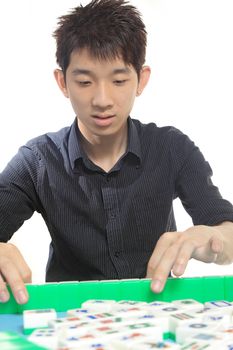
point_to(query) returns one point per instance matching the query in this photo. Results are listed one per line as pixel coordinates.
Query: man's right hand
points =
(14, 271)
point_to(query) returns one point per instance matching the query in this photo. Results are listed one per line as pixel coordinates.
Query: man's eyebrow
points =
(121, 70)
(79, 71)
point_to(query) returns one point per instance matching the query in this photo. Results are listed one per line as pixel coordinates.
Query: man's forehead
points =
(82, 60)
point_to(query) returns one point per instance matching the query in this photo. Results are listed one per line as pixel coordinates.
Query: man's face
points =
(102, 93)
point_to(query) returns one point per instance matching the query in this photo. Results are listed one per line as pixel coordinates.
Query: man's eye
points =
(120, 82)
(84, 83)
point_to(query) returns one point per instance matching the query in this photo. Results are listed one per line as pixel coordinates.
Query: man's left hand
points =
(174, 249)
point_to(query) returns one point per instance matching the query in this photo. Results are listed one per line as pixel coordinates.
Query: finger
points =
(20, 263)
(183, 257)
(217, 245)
(162, 270)
(4, 294)
(166, 240)
(15, 281)
(207, 250)
(198, 247)
(24, 272)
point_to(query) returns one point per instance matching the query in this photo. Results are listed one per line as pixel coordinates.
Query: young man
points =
(105, 185)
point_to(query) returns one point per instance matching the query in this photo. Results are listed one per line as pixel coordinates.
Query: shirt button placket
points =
(113, 227)
(112, 215)
(117, 254)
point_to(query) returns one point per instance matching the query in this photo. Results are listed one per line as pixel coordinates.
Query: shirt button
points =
(112, 215)
(117, 254)
(108, 178)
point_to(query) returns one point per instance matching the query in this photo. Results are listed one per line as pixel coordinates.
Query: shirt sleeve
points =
(199, 196)
(18, 191)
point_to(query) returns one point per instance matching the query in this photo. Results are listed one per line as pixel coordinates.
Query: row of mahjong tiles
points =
(107, 324)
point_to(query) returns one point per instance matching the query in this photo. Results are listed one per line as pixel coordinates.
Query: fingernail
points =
(21, 297)
(156, 286)
(4, 296)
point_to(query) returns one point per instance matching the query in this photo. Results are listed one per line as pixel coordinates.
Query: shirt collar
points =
(134, 145)
(75, 150)
(74, 147)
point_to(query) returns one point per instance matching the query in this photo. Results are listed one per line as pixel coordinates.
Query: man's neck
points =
(105, 151)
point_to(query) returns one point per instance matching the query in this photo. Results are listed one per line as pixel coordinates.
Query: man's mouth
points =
(103, 119)
(103, 116)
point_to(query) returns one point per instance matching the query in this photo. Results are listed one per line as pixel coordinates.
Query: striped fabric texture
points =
(106, 225)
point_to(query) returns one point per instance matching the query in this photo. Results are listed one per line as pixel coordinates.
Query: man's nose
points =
(102, 97)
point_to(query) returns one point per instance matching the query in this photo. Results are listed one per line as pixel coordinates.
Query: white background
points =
(190, 51)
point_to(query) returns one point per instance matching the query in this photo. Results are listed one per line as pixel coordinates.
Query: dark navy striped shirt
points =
(106, 225)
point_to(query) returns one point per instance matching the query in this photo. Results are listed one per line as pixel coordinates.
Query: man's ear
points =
(60, 79)
(143, 79)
